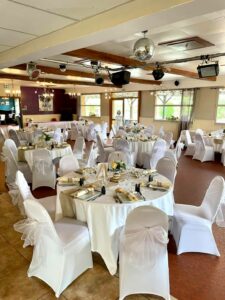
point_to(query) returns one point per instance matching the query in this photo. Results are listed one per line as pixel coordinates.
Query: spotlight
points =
(99, 79)
(62, 67)
(158, 73)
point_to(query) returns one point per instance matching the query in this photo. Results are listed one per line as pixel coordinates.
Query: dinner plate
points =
(90, 196)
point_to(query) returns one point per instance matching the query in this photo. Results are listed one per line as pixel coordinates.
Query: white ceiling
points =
(24, 20)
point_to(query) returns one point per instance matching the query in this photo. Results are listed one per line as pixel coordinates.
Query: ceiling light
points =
(62, 67)
(143, 48)
(158, 73)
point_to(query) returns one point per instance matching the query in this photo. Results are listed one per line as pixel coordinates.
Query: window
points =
(220, 113)
(174, 104)
(91, 105)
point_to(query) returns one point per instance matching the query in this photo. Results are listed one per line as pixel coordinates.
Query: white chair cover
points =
(192, 225)
(199, 131)
(61, 251)
(13, 135)
(168, 137)
(57, 136)
(104, 126)
(43, 171)
(150, 159)
(103, 153)
(12, 164)
(74, 132)
(166, 167)
(65, 135)
(203, 152)
(171, 153)
(143, 256)
(91, 133)
(25, 193)
(161, 132)
(189, 144)
(90, 161)
(68, 163)
(78, 148)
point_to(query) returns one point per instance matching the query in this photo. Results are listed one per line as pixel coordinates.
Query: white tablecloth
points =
(105, 218)
(54, 125)
(55, 153)
(217, 143)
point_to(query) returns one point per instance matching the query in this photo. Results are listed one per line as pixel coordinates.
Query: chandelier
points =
(74, 93)
(47, 93)
(10, 91)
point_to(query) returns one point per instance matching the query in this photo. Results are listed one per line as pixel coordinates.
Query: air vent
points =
(185, 44)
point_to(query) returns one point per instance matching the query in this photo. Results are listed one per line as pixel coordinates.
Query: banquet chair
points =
(223, 156)
(90, 160)
(150, 159)
(143, 257)
(166, 167)
(68, 163)
(62, 250)
(74, 132)
(48, 202)
(10, 154)
(192, 225)
(171, 154)
(189, 144)
(123, 146)
(199, 131)
(203, 152)
(65, 135)
(14, 136)
(118, 156)
(78, 148)
(91, 133)
(57, 136)
(103, 153)
(104, 126)
(43, 170)
(161, 132)
(168, 137)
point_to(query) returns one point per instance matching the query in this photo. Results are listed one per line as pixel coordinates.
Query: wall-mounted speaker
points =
(120, 78)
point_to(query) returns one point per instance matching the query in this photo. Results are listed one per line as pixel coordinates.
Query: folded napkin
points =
(65, 179)
(83, 191)
(160, 184)
(128, 195)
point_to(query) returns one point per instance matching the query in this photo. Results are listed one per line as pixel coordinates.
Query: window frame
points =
(219, 105)
(89, 105)
(173, 105)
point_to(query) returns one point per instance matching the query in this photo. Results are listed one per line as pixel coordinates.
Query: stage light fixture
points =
(208, 70)
(158, 73)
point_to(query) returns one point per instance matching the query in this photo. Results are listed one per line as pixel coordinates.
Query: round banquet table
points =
(55, 153)
(105, 218)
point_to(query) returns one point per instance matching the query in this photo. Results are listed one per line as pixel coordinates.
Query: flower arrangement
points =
(46, 137)
(118, 165)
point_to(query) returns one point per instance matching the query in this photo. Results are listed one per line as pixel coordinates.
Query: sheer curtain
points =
(188, 108)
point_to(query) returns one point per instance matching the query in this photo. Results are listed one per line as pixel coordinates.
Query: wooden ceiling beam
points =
(52, 80)
(104, 57)
(124, 61)
(56, 71)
